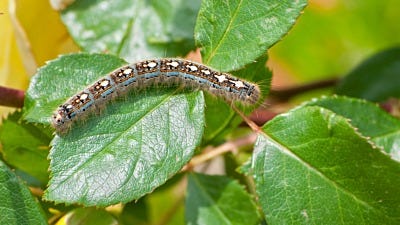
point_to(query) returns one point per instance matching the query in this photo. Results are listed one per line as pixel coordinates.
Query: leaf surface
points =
(376, 79)
(234, 33)
(370, 119)
(17, 205)
(218, 200)
(311, 167)
(25, 146)
(134, 30)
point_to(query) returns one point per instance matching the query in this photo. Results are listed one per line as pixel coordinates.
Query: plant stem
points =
(11, 97)
(287, 93)
(213, 152)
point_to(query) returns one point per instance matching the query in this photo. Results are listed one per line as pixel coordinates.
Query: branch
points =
(11, 97)
(214, 152)
(287, 93)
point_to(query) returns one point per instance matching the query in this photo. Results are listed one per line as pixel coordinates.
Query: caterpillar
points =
(148, 72)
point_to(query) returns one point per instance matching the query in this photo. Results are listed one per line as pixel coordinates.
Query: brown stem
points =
(260, 116)
(213, 152)
(278, 99)
(287, 93)
(248, 121)
(38, 192)
(11, 97)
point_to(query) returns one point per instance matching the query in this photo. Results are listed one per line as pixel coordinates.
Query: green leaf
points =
(17, 206)
(235, 33)
(132, 147)
(376, 79)
(370, 119)
(25, 146)
(218, 200)
(133, 30)
(135, 213)
(311, 167)
(90, 216)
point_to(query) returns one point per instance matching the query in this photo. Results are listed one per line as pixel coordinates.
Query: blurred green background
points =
(332, 37)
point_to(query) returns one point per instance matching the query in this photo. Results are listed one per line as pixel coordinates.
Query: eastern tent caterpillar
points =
(148, 72)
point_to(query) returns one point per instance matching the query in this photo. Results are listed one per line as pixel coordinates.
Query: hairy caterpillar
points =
(148, 72)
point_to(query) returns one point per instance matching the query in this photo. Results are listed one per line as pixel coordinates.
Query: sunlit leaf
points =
(370, 119)
(133, 30)
(311, 167)
(232, 34)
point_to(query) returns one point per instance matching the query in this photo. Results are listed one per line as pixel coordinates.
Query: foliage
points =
(331, 160)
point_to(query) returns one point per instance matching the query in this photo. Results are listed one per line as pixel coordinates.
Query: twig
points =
(287, 93)
(249, 122)
(260, 116)
(213, 152)
(38, 192)
(11, 97)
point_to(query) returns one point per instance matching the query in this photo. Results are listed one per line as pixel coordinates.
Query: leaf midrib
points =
(227, 30)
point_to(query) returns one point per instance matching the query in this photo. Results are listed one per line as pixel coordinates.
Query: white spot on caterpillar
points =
(152, 64)
(221, 78)
(192, 68)
(238, 84)
(104, 83)
(84, 97)
(127, 71)
(173, 64)
(206, 72)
